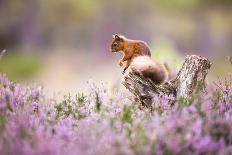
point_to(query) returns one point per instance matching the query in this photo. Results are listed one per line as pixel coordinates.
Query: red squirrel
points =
(137, 55)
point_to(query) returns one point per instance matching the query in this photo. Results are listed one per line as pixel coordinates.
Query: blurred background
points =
(64, 43)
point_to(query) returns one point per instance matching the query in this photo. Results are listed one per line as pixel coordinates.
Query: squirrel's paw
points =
(120, 63)
(124, 70)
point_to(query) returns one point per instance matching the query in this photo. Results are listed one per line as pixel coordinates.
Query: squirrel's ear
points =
(116, 36)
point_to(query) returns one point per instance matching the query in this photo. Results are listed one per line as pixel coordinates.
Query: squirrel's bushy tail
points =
(149, 69)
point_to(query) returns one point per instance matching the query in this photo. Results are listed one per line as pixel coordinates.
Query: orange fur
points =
(137, 55)
(130, 48)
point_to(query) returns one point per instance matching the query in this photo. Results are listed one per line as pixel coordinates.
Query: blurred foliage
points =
(221, 66)
(165, 52)
(3, 122)
(126, 115)
(19, 65)
(175, 4)
(187, 26)
(44, 22)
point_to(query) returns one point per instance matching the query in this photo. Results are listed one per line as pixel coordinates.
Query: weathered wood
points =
(192, 72)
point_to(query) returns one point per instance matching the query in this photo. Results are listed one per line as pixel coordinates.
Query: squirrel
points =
(137, 55)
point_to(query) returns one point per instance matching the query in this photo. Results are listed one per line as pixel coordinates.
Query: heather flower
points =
(110, 122)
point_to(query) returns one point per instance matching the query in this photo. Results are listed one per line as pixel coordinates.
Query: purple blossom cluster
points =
(111, 122)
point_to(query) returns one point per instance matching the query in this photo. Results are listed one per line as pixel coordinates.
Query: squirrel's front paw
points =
(124, 70)
(120, 63)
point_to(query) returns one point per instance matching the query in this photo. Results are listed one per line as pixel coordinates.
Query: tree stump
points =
(192, 72)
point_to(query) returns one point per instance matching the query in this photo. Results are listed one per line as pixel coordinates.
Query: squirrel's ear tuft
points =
(116, 36)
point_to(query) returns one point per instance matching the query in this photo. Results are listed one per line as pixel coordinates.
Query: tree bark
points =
(192, 72)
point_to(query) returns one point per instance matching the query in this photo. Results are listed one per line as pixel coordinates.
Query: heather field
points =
(62, 91)
(111, 122)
